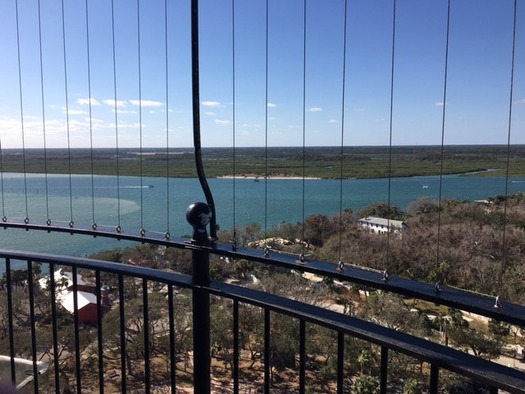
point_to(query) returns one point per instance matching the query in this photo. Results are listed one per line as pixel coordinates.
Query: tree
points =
(364, 360)
(134, 329)
(222, 331)
(412, 386)
(390, 311)
(366, 385)
(242, 268)
(423, 206)
(498, 329)
(317, 229)
(382, 210)
(477, 342)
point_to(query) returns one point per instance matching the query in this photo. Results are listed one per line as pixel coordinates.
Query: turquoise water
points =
(159, 205)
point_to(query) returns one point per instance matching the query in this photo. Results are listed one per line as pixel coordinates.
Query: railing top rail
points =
(106, 266)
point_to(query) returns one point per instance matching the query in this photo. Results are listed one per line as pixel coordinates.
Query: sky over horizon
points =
(281, 86)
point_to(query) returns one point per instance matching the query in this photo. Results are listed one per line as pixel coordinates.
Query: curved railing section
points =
(148, 283)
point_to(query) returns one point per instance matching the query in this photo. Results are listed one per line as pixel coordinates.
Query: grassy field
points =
(319, 162)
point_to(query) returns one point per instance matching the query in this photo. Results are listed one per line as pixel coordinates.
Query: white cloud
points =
(222, 122)
(211, 104)
(332, 121)
(272, 105)
(209, 113)
(146, 103)
(87, 101)
(74, 111)
(111, 103)
(519, 101)
(124, 111)
(315, 109)
(249, 125)
(439, 103)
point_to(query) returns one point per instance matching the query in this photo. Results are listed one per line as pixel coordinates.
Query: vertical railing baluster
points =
(235, 347)
(173, 356)
(99, 333)
(384, 370)
(122, 318)
(145, 313)
(434, 379)
(10, 318)
(77, 334)
(302, 356)
(52, 284)
(33, 323)
(340, 361)
(267, 366)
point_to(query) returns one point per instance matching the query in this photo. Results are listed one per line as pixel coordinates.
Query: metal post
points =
(198, 215)
(201, 323)
(434, 379)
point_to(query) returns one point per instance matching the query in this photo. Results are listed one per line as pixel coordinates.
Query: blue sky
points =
(268, 91)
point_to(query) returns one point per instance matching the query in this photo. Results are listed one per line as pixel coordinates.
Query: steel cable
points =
(234, 132)
(509, 134)
(139, 70)
(343, 97)
(42, 98)
(22, 123)
(443, 122)
(68, 131)
(166, 93)
(391, 118)
(115, 109)
(303, 131)
(93, 221)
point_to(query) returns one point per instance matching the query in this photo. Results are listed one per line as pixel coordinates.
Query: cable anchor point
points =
(497, 303)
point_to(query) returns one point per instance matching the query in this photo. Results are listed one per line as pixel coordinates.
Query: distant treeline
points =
(320, 162)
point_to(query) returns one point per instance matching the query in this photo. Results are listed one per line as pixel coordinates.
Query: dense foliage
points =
(321, 162)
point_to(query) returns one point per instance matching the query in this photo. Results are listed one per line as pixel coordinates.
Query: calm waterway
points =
(158, 204)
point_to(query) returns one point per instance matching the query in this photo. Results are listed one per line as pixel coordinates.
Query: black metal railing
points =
(136, 329)
(135, 294)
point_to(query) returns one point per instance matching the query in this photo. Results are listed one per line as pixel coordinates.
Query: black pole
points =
(198, 215)
(201, 323)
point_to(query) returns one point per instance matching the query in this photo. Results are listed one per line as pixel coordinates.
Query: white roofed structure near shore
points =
(379, 225)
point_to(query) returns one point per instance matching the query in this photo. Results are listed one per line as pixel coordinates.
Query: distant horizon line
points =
(264, 147)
